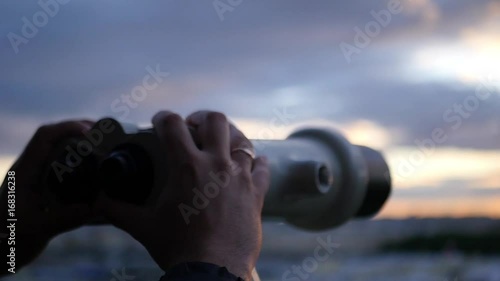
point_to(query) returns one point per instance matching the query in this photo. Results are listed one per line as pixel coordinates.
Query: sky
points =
(418, 80)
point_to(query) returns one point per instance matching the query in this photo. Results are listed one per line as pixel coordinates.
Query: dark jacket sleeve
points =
(198, 271)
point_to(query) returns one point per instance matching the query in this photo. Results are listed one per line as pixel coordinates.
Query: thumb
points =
(128, 217)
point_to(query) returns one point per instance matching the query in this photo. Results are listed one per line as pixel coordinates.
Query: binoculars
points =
(318, 179)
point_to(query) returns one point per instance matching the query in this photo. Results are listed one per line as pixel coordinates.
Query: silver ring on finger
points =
(248, 151)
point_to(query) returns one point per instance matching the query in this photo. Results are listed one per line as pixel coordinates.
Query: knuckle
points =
(195, 114)
(189, 168)
(241, 141)
(191, 159)
(222, 164)
(43, 131)
(216, 117)
(171, 119)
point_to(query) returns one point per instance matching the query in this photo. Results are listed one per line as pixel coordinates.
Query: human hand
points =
(223, 226)
(36, 224)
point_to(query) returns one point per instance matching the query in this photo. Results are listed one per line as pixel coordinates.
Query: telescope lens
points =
(379, 183)
(325, 178)
(127, 174)
(118, 164)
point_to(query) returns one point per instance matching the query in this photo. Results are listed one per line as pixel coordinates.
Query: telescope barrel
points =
(318, 179)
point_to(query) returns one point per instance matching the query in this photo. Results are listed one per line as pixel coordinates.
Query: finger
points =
(238, 140)
(53, 133)
(88, 122)
(213, 131)
(47, 136)
(128, 217)
(261, 175)
(173, 131)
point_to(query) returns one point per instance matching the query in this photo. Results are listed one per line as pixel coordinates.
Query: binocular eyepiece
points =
(318, 179)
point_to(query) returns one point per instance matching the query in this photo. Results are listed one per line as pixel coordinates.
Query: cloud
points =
(457, 207)
(359, 132)
(265, 56)
(440, 166)
(5, 164)
(428, 10)
(490, 181)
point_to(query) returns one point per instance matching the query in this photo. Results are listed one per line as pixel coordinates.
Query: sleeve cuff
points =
(199, 271)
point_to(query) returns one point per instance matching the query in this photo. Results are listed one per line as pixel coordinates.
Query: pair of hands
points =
(227, 232)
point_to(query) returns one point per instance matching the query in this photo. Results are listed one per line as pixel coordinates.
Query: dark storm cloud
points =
(264, 55)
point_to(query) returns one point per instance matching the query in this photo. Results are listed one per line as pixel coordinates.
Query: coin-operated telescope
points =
(318, 179)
